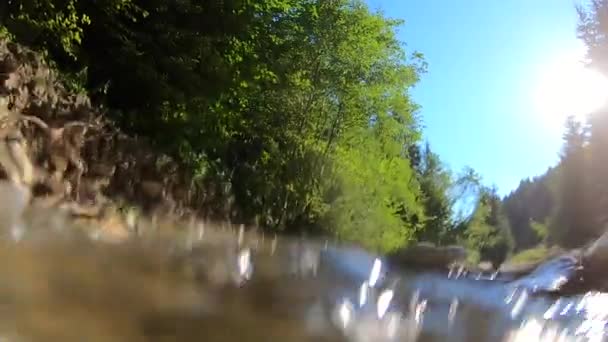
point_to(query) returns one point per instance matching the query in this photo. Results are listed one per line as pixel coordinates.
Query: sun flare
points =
(568, 88)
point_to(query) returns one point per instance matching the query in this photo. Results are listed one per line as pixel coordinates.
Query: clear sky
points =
(485, 60)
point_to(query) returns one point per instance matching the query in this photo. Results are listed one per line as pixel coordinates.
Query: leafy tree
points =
(57, 26)
(292, 114)
(435, 183)
(487, 231)
(541, 230)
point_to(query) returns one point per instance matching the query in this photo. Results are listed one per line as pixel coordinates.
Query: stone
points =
(425, 255)
(486, 266)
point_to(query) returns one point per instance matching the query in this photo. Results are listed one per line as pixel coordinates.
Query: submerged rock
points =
(426, 255)
(513, 271)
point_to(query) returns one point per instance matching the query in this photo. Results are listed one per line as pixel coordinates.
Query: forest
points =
(297, 116)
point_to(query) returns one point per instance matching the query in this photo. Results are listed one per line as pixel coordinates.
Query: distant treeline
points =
(568, 205)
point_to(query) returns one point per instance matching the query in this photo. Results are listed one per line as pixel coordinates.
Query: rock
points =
(425, 255)
(518, 270)
(485, 266)
(596, 255)
(513, 270)
(559, 275)
(563, 272)
(594, 259)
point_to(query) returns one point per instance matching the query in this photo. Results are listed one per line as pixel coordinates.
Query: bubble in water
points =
(131, 220)
(201, 231)
(273, 246)
(512, 294)
(363, 292)
(244, 261)
(519, 304)
(384, 301)
(241, 236)
(414, 300)
(419, 313)
(344, 314)
(309, 261)
(17, 232)
(375, 272)
(452, 311)
(244, 266)
(460, 272)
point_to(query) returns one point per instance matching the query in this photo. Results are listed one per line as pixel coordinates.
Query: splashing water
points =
(220, 285)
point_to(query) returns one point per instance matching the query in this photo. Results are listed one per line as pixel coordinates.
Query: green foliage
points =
(487, 231)
(4, 33)
(377, 204)
(292, 114)
(295, 113)
(55, 25)
(532, 202)
(565, 205)
(541, 230)
(435, 184)
(570, 198)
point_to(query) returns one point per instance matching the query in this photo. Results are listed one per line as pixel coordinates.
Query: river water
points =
(214, 285)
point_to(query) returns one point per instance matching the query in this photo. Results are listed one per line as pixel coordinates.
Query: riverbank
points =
(69, 155)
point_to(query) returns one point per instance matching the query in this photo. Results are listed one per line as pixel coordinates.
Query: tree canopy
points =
(296, 115)
(299, 109)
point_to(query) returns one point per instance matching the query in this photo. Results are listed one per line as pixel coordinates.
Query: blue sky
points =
(485, 58)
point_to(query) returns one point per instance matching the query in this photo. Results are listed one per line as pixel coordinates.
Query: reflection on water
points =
(217, 285)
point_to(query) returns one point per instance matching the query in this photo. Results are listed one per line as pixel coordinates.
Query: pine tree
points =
(571, 226)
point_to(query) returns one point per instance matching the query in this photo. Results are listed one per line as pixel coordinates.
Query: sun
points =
(568, 88)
